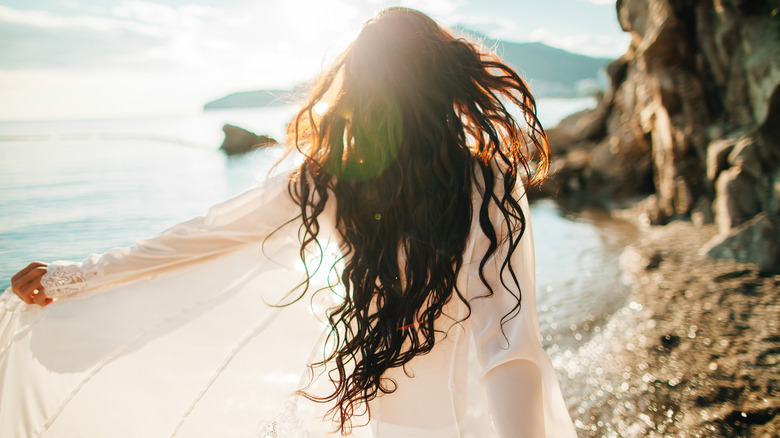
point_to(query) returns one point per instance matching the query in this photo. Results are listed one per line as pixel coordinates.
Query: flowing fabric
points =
(196, 333)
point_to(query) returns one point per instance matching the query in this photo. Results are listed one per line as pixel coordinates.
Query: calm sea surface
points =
(71, 188)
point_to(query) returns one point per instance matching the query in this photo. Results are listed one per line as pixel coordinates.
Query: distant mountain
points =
(259, 98)
(549, 71)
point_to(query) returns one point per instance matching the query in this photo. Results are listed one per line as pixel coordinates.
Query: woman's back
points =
(421, 156)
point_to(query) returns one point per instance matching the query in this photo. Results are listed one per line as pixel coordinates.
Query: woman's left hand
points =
(26, 284)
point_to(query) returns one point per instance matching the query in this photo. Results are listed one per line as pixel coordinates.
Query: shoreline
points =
(695, 353)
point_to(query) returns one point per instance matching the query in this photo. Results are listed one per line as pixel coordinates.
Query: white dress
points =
(180, 335)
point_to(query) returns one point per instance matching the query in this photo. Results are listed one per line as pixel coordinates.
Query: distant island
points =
(259, 98)
(550, 72)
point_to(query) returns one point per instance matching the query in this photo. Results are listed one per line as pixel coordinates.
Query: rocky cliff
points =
(692, 119)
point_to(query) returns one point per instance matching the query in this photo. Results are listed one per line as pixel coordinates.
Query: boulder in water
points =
(240, 141)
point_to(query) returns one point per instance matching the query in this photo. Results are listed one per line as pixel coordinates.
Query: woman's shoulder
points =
(498, 171)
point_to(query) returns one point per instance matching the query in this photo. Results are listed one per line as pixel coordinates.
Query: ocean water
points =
(71, 188)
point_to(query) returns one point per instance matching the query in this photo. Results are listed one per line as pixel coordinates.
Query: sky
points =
(70, 59)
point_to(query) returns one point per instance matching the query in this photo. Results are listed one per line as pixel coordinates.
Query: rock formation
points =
(692, 118)
(240, 141)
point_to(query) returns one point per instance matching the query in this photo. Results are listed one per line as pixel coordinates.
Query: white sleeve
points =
(523, 392)
(250, 217)
(178, 333)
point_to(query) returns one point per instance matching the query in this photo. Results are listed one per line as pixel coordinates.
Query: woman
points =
(409, 217)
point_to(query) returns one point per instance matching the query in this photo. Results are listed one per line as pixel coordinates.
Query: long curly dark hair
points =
(415, 119)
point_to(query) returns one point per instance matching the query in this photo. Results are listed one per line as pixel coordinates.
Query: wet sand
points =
(695, 353)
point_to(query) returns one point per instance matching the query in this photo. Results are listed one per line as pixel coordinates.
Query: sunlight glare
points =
(320, 108)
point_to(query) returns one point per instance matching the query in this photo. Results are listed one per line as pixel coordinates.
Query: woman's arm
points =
(248, 218)
(516, 391)
(521, 384)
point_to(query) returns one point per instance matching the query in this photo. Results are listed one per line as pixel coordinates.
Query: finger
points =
(27, 292)
(39, 297)
(24, 271)
(23, 296)
(32, 276)
(27, 299)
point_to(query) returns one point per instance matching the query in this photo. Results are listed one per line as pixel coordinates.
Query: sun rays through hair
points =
(416, 119)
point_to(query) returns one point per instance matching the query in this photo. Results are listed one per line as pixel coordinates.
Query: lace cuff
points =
(285, 424)
(64, 279)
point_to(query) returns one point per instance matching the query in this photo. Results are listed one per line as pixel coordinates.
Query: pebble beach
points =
(697, 355)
